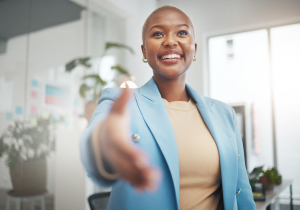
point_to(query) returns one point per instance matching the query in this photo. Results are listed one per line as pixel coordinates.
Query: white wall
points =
(140, 70)
(70, 174)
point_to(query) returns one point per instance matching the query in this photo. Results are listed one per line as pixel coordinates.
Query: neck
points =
(172, 89)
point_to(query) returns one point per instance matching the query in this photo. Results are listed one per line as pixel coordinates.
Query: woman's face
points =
(169, 44)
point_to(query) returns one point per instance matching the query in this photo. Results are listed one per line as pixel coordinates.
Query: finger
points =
(151, 177)
(128, 170)
(135, 167)
(148, 177)
(120, 104)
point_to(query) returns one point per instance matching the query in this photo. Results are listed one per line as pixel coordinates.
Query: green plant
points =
(28, 140)
(98, 82)
(272, 175)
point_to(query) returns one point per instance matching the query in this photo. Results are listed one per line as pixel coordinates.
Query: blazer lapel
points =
(227, 151)
(155, 115)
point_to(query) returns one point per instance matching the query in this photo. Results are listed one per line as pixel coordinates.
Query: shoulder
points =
(220, 109)
(214, 105)
(223, 107)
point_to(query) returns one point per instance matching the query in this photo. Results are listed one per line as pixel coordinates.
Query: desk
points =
(272, 194)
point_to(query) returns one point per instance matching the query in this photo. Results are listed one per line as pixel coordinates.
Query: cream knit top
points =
(199, 164)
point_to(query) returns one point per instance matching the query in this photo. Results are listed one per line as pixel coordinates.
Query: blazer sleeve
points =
(86, 151)
(245, 197)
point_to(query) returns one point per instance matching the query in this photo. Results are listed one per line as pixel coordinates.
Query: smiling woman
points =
(169, 45)
(181, 150)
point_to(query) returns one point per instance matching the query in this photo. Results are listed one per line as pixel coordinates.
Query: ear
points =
(143, 50)
(195, 48)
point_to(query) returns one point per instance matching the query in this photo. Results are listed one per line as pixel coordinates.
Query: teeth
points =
(170, 56)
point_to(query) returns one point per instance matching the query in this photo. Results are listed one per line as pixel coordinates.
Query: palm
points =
(126, 159)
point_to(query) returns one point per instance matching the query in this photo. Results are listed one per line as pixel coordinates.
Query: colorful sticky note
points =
(33, 109)
(19, 110)
(9, 116)
(75, 102)
(34, 83)
(33, 94)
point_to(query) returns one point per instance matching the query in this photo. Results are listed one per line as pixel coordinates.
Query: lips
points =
(170, 56)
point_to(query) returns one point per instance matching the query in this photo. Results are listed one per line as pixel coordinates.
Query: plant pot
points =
(279, 181)
(34, 177)
(265, 182)
(89, 109)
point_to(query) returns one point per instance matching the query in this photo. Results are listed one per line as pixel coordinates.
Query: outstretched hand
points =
(116, 148)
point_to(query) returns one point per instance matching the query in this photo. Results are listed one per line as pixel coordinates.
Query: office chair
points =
(98, 201)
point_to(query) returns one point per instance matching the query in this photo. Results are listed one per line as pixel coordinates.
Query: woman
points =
(166, 146)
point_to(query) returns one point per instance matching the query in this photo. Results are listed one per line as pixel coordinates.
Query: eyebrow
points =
(159, 26)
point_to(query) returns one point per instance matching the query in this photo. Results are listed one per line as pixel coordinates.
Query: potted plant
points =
(25, 146)
(270, 177)
(91, 92)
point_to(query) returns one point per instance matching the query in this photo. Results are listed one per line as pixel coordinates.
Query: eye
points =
(182, 33)
(157, 34)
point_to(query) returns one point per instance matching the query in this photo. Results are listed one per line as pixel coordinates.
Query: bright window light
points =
(129, 83)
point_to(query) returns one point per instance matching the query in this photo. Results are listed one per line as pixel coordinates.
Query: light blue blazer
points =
(150, 120)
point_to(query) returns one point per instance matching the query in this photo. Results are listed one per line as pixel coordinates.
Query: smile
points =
(170, 56)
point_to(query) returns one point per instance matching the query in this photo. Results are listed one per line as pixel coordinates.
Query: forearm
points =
(102, 164)
(88, 157)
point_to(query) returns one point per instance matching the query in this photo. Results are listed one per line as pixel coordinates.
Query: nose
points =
(170, 41)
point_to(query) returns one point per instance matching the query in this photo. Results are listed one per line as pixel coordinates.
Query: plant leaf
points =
(78, 61)
(96, 77)
(71, 65)
(82, 90)
(120, 69)
(117, 45)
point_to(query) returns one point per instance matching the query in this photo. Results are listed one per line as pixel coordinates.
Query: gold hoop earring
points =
(195, 58)
(144, 60)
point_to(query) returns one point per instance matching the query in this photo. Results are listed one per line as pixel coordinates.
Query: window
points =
(245, 70)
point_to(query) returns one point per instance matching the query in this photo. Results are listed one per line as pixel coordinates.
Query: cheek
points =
(189, 49)
(152, 49)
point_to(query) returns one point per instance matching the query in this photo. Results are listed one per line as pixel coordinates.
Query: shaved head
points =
(165, 7)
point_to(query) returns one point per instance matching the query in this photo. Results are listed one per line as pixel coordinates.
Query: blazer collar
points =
(150, 91)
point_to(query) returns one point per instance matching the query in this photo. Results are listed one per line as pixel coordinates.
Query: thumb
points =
(119, 106)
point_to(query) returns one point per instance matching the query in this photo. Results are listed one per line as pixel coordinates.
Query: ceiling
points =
(19, 17)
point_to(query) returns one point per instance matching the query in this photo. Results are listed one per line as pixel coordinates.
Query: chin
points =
(170, 73)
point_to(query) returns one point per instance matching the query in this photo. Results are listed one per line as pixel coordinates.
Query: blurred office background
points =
(248, 56)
